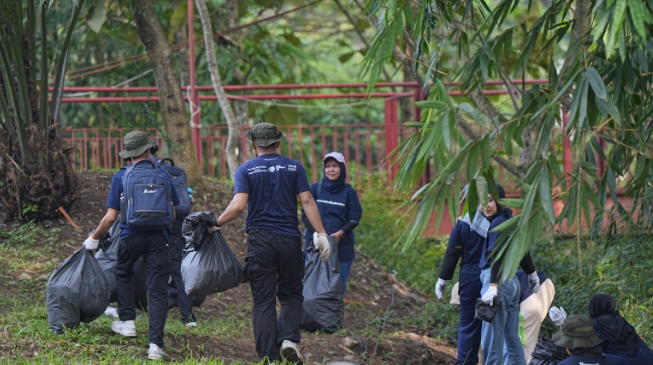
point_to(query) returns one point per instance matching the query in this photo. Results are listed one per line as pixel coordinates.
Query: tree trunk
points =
(240, 106)
(232, 140)
(171, 100)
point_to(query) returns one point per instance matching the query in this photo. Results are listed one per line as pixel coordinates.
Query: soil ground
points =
(376, 304)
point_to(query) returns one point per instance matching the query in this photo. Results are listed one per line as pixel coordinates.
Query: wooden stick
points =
(67, 217)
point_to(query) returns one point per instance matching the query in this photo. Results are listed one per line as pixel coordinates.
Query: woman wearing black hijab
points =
(621, 344)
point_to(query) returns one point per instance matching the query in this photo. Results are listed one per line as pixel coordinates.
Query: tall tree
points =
(234, 133)
(171, 100)
(601, 96)
(36, 173)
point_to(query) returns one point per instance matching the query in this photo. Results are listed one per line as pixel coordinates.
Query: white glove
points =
(534, 282)
(91, 244)
(557, 315)
(439, 287)
(488, 297)
(321, 242)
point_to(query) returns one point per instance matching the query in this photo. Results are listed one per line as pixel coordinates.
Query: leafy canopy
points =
(596, 57)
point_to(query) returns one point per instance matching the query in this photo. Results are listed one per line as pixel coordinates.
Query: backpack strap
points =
(319, 189)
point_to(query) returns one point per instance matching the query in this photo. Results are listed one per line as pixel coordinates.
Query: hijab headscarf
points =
(501, 210)
(620, 334)
(334, 186)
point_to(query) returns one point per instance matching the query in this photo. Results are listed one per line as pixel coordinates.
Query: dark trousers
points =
(155, 252)
(469, 328)
(275, 268)
(177, 244)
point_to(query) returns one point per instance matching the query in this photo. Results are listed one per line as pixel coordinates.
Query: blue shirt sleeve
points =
(302, 180)
(455, 236)
(113, 201)
(355, 210)
(241, 185)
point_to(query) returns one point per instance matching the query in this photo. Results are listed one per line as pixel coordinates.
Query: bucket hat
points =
(135, 144)
(264, 134)
(577, 332)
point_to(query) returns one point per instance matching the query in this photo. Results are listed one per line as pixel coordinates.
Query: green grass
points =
(26, 330)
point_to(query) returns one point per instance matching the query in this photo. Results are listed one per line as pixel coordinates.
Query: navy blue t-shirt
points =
(523, 282)
(585, 360)
(113, 201)
(272, 183)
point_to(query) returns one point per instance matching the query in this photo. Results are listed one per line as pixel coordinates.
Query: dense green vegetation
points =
(621, 266)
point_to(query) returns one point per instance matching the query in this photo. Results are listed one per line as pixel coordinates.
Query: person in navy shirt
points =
(268, 186)
(578, 337)
(340, 210)
(151, 244)
(465, 244)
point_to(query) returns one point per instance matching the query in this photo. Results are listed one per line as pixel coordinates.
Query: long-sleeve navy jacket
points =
(341, 210)
(463, 243)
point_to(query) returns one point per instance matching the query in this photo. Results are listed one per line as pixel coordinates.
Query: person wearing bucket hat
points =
(578, 337)
(621, 343)
(268, 186)
(500, 339)
(340, 210)
(152, 244)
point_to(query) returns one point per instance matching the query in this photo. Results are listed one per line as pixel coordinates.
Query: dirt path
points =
(374, 313)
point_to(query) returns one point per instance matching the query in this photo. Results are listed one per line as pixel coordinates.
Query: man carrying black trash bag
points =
(268, 186)
(147, 198)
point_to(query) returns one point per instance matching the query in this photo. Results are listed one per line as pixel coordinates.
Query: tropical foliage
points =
(36, 175)
(596, 57)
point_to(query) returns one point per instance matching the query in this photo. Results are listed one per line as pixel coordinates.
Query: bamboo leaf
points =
(472, 161)
(475, 114)
(639, 14)
(486, 154)
(472, 200)
(545, 194)
(481, 190)
(596, 82)
(431, 104)
(516, 203)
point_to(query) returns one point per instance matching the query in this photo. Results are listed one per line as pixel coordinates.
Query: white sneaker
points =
(191, 324)
(111, 312)
(155, 352)
(126, 328)
(290, 352)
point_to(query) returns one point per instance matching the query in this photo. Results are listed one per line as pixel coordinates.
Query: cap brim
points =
(137, 151)
(262, 142)
(575, 342)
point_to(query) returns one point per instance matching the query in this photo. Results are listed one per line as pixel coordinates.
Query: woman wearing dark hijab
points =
(340, 210)
(500, 339)
(621, 344)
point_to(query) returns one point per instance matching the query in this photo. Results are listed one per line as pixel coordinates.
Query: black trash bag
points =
(548, 353)
(209, 265)
(191, 230)
(323, 308)
(173, 298)
(77, 291)
(486, 312)
(107, 257)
